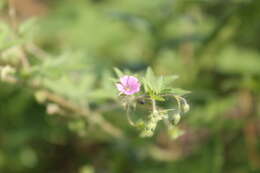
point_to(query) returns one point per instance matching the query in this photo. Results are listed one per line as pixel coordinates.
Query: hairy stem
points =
(154, 105)
(129, 116)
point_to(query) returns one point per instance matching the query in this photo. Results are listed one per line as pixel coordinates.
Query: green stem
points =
(154, 105)
(128, 116)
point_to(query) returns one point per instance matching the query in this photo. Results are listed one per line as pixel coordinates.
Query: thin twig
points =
(40, 54)
(92, 116)
(12, 14)
(13, 19)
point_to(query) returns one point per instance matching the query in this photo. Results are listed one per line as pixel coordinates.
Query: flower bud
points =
(146, 133)
(185, 107)
(176, 118)
(53, 109)
(7, 72)
(40, 96)
(151, 125)
(175, 132)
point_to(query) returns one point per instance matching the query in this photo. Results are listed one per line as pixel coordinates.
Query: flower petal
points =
(130, 92)
(132, 80)
(124, 80)
(128, 85)
(120, 87)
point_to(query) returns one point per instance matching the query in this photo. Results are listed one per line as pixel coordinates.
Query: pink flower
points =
(128, 85)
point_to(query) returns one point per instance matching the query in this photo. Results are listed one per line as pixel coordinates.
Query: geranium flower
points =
(128, 85)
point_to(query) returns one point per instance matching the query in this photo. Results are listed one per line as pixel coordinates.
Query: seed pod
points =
(185, 107)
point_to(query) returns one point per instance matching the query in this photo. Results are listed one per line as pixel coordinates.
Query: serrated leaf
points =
(149, 74)
(118, 72)
(169, 79)
(145, 85)
(150, 81)
(154, 84)
(159, 84)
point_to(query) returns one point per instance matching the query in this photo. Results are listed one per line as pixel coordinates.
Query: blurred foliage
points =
(71, 47)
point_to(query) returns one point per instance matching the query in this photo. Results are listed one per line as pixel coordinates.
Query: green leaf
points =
(169, 79)
(118, 72)
(154, 84)
(149, 74)
(151, 82)
(159, 84)
(158, 98)
(146, 85)
(149, 78)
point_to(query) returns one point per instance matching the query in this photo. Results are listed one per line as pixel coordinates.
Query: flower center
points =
(127, 88)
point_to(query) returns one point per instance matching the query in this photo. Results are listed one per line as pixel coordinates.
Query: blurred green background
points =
(213, 45)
